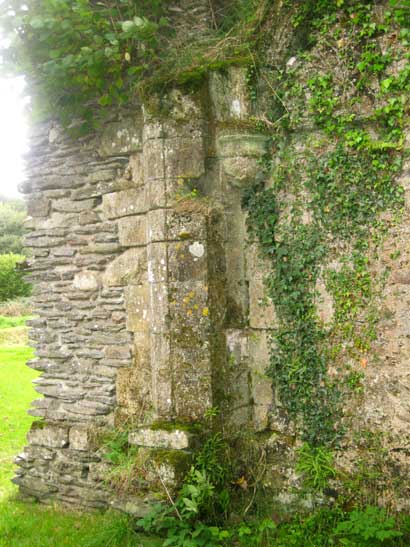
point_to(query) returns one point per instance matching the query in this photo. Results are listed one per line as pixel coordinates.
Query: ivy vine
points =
(320, 216)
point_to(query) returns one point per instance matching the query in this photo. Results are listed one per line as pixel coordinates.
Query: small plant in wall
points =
(82, 56)
(316, 466)
(193, 519)
(126, 467)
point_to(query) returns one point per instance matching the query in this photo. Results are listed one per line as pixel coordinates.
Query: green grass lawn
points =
(8, 322)
(13, 332)
(25, 525)
(16, 394)
(35, 526)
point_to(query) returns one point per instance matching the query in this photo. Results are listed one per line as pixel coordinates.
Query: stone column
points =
(176, 295)
(238, 153)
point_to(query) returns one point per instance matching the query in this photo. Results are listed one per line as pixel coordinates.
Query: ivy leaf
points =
(140, 22)
(111, 37)
(105, 100)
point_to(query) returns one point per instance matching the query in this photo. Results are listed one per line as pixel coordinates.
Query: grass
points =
(16, 308)
(14, 336)
(12, 322)
(13, 331)
(33, 525)
(16, 394)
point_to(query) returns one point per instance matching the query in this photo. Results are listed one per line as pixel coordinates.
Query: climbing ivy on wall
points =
(321, 217)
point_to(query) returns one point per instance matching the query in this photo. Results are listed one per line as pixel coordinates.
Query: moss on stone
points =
(178, 459)
(39, 424)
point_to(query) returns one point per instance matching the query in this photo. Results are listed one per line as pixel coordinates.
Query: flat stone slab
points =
(253, 145)
(49, 436)
(160, 438)
(135, 506)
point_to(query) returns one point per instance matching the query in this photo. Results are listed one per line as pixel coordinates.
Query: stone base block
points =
(137, 506)
(176, 439)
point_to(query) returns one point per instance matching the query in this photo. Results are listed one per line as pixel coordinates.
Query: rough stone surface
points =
(115, 270)
(130, 266)
(176, 439)
(49, 436)
(151, 303)
(79, 438)
(121, 137)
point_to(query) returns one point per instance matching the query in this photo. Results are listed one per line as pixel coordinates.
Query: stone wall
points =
(151, 301)
(147, 300)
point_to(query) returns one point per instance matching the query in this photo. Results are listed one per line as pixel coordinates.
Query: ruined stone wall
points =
(151, 300)
(141, 288)
(80, 335)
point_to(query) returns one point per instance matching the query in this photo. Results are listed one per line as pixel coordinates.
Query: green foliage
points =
(211, 459)
(16, 394)
(255, 534)
(12, 215)
(23, 525)
(196, 493)
(126, 474)
(81, 55)
(324, 527)
(12, 284)
(316, 465)
(311, 12)
(297, 362)
(183, 533)
(10, 322)
(366, 483)
(30, 525)
(334, 527)
(369, 527)
(350, 188)
(323, 101)
(338, 186)
(115, 530)
(201, 505)
(189, 523)
(372, 62)
(353, 292)
(114, 445)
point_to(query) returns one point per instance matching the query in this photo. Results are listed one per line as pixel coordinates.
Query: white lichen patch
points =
(197, 249)
(236, 108)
